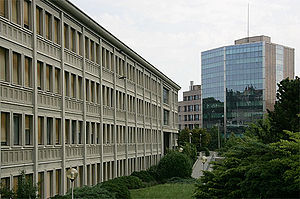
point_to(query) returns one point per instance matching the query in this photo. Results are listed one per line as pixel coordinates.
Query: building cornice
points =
(97, 28)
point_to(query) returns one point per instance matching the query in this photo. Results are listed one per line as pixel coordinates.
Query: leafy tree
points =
(265, 162)
(286, 110)
(252, 169)
(190, 151)
(26, 189)
(205, 138)
(213, 144)
(174, 164)
(183, 136)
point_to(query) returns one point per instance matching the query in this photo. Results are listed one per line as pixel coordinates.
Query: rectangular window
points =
(3, 64)
(79, 88)
(49, 130)
(87, 90)
(57, 80)
(48, 77)
(39, 21)
(165, 95)
(67, 84)
(49, 184)
(17, 128)
(92, 91)
(3, 8)
(16, 68)
(28, 130)
(67, 131)
(39, 75)
(73, 131)
(92, 50)
(87, 132)
(57, 131)
(48, 25)
(58, 181)
(4, 128)
(78, 39)
(73, 86)
(27, 14)
(80, 132)
(166, 117)
(56, 30)
(87, 48)
(40, 130)
(41, 184)
(72, 40)
(28, 72)
(5, 182)
(66, 36)
(15, 16)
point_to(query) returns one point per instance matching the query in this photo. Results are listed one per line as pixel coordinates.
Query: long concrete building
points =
(73, 95)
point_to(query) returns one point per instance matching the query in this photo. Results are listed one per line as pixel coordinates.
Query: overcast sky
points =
(171, 34)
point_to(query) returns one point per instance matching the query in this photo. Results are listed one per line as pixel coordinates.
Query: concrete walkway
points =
(199, 167)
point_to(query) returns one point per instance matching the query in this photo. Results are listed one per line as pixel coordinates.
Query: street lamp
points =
(72, 175)
(200, 141)
(180, 149)
(190, 138)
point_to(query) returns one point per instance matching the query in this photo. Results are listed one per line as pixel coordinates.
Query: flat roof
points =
(93, 25)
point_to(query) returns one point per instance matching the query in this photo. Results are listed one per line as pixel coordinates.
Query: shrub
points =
(131, 182)
(190, 150)
(145, 176)
(92, 192)
(153, 172)
(174, 164)
(117, 187)
(88, 192)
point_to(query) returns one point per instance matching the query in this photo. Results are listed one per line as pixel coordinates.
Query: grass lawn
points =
(177, 190)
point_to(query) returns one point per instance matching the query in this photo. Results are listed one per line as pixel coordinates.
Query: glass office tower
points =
(239, 81)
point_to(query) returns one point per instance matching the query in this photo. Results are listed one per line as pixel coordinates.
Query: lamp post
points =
(200, 141)
(72, 175)
(190, 138)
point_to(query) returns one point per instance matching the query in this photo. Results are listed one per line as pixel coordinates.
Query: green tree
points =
(286, 110)
(183, 136)
(190, 150)
(265, 162)
(26, 189)
(205, 138)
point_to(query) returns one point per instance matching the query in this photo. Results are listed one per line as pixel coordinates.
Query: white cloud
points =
(170, 34)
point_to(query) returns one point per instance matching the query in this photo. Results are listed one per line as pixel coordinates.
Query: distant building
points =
(189, 110)
(239, 81)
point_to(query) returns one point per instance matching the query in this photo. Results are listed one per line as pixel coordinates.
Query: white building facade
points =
(73, 95)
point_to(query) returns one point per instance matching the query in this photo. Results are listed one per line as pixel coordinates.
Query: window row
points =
(189, 108)
(47, 25)
(15, 68)
(191, 97)
(17, 12)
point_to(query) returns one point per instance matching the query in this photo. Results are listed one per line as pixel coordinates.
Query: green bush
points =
(153, 172)
(88, 192)
(117, 187)
(145, 176)
(174, 164)
(131, 182)
(190, 150)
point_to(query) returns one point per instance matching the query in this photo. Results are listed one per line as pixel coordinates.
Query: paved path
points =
(199, 167)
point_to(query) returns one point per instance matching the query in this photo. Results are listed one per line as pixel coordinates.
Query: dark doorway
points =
(166, 142)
